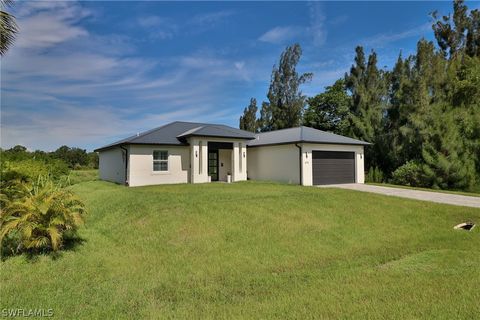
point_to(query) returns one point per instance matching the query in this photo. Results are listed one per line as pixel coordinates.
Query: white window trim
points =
(159, 161)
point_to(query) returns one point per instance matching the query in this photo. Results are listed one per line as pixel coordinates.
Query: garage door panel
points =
(331, 167)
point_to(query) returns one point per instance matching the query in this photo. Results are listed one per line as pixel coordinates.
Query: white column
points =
(194, 153)
(235, 160)
(204, 161)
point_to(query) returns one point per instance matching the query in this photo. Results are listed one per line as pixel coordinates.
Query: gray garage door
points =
(330, 167)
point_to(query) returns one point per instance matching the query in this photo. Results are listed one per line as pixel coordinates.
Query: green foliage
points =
(248, 121)
(328, 110)
(40, 219)
(422, 117)
(74, 157)
(409, 174)
(375, 175)
(8, 27)
(366, 84)
(286, 102)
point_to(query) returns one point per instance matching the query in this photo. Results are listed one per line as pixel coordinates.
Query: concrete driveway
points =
(454, 199)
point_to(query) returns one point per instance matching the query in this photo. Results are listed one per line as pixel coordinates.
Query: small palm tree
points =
(42, 218)
(8, 27)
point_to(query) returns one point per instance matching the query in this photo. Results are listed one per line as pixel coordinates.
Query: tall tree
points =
(328, 110)
(285, 100)
(366, 85)
(8, 27)
(248, 121)
(459, 32)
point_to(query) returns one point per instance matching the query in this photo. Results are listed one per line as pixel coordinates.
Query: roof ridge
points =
(142, 134)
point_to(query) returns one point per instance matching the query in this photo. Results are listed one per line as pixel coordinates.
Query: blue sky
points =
(87, 73)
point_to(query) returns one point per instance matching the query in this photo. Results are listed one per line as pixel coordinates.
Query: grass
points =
(255, 250)
(464, 193)
(78, 176)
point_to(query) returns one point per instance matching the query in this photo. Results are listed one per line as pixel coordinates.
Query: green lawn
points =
(78, 176)
(255, 250)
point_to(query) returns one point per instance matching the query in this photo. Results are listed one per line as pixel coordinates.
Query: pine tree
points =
(248, 121)
(285, 100)
(367, 86)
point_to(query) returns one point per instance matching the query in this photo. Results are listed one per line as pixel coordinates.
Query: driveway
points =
(454, 199)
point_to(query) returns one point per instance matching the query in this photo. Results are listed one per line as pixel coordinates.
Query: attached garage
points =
(333, 167)
(306, 156)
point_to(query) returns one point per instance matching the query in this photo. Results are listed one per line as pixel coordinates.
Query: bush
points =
(375, 175)
(41, 219)
(409, 174)
(31, 169)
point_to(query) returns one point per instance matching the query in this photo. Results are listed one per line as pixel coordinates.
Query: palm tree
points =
(41, 219)
(8, 27)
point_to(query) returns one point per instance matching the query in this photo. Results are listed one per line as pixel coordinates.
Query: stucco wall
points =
(274, 163)
(112, 165)
(225, 158)
(307, 159)
(141, 165)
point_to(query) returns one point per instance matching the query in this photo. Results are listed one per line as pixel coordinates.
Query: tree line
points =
(422, 116)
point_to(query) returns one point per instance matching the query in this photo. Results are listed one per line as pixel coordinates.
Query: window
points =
(160, 160)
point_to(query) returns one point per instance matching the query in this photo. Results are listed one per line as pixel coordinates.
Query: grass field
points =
(255, 250)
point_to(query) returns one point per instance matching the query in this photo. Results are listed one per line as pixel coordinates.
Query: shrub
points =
(31, 169)
(375, 175)
(409, 174)
(41, 219)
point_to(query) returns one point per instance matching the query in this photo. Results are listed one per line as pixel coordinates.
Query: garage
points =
(332, 167)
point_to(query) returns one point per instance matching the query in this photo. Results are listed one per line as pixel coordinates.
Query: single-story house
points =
(187, 152)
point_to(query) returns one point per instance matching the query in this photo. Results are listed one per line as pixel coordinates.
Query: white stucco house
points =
(187, 152)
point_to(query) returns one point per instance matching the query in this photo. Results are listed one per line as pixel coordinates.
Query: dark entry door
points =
(213, 164)
(331, 167)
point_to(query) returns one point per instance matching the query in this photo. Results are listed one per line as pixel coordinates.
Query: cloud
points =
(380, 40)
(211, 18)
(317, 28)
(48, 28)
(75, 87)
(158, 27)
(280, 35)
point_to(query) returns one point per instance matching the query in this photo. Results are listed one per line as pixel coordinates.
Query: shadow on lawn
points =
(69, 244)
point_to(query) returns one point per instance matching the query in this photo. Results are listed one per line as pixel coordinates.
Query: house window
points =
(160, 160)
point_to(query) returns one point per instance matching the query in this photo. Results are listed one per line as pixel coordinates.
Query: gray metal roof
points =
(175, 133)
(301, 134)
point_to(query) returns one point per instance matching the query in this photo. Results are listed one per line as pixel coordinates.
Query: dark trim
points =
(300, 163)
(217, 165)
(126, 164)
(304, 141)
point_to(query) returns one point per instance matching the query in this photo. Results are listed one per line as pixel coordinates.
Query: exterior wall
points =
(274, 163)
(199, 158)
(112, 165)
(224, 163)
(141, 165)
(307, 149)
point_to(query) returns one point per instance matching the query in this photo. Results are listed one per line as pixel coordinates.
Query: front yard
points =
(254, 250)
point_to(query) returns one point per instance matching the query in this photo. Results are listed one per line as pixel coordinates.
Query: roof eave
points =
(306, 141)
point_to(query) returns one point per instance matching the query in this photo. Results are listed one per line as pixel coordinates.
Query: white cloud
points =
(280, 35)
(382, 39)
(317, 28)
(72, 86)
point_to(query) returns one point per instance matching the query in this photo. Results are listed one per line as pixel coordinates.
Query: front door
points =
(213, 164)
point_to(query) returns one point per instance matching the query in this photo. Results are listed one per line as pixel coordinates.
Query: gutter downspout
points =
(126, 164)
(300, 162)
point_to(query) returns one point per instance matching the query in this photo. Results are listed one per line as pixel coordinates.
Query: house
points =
(187, 152)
